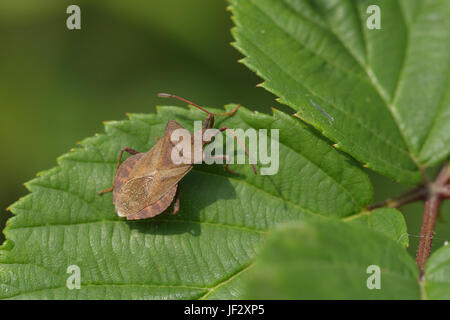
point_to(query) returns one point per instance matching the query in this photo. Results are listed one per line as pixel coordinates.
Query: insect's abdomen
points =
(133, 196)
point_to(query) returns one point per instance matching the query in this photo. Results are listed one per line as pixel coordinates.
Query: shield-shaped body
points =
(146, 183)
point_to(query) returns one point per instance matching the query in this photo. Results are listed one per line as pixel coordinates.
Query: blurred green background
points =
(57, 85)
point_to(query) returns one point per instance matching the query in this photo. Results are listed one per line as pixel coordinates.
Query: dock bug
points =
(146, 184)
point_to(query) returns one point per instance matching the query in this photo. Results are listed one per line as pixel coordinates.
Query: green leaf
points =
(387, 221)
(330, 260)
(382, 95)
(204, 251)
(437, 270)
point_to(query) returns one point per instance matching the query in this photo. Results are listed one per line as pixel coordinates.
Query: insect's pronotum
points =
(146, 183)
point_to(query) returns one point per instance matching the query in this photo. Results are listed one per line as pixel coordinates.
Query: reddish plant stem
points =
(431, 211)
(436, 192)
(433, 193)
(444, 176)
(446, 192)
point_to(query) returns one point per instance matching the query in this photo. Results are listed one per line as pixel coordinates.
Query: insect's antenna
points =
(243, 147)
(168, 95)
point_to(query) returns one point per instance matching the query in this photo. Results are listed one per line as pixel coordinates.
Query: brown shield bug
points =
(146, 184)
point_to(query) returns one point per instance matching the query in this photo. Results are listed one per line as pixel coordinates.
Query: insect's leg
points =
(128, 150)
(227, 169)
(156, 221)
(226, 158)
(228, 113)
(176, 205)
(209, 121)
(242, 144)
(100, 193)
